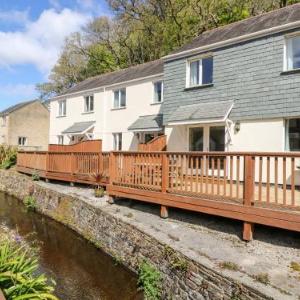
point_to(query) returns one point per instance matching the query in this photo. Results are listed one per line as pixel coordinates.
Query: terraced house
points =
(121, 108)
(25, 125)
(237, 87)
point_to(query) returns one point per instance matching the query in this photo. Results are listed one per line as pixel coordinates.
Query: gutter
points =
(105, 87)
(235, 40)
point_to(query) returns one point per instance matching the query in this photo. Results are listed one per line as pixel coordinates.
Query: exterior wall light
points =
(237, 127)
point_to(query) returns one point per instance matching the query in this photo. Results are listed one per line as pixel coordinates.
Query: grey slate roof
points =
(16, 107)
(78, 127)
(264, 21)
(202, 112)
(147, 122)
(135, 72)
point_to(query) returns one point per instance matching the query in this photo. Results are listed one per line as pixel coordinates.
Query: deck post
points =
(164, 213)
(249, 185)
(164, 183)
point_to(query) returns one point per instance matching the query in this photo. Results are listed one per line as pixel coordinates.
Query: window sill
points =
(58, 117)
(156, 103)
(118, 108)
(295, 71)
(203, 86)
(87, 113)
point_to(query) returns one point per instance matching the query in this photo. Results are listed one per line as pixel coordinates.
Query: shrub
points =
(35, 176)
(99, 192)
(229, 265)
(8, 157)
(30, 203)
(149, 281)
(18, 279)
(263, 278)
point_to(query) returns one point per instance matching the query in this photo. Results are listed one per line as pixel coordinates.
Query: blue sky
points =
(32, 33)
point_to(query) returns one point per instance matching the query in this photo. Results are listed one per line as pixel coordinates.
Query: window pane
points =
(91, 103)
(120, 142)
(123, 98)
(158, 91)
(196, 139)
(296, 52)
(86, 104)
(294, 135)
(116, 99)
(217, 138)
(194, 73)
(207, 70)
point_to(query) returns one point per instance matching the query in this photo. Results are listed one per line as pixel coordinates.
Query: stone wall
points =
(182, 277)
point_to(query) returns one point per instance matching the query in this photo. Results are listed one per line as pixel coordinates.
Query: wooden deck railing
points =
(259, 188)
(82, 167)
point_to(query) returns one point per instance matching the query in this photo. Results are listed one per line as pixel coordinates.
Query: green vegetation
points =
(140, 31)
(295, 266)
(149, 281)
(229, 266)
(176, 263)
(18, 270)
(35, 176)
(263, 278)
(99, 192)
(8, 157)
(30, 203)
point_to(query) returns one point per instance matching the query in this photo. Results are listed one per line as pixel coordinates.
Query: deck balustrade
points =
(252, 187)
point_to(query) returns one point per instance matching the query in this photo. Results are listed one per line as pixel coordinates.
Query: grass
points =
(228, 265)
(262, 278)
(8, 156)
(295, 266)
(30, 203)
(19, 278)
(149, 281)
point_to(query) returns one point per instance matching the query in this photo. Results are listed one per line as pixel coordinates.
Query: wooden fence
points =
(258, 188)
(157, 144)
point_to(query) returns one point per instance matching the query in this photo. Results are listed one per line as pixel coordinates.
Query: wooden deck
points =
(261, 188)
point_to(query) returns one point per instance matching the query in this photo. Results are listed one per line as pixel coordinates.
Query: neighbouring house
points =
(122, 108)
(237, 87)
(25, 125)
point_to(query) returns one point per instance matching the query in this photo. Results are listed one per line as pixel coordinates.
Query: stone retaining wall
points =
(182, 277)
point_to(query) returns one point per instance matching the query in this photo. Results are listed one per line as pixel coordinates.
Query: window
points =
(60, 140)
(200, 72)
(293, 135)
(158, 92)
(62, 108)
(196, 139)
(117, 141)
(22, 141)
(88, 104)
(292, 53)
(3, 121)
(120, 98)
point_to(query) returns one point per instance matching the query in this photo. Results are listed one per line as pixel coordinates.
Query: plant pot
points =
(99, 192)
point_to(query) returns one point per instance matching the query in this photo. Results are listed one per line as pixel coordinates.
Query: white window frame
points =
(116, 141)
(60, 140)
(287, 53)
(119, 100)
(88, 108)
(62, 108)
(188, 70)
(155, 101)
(22, 140)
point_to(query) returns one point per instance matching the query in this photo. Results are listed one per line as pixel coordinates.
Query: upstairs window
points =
(200, 72)
(120, 98)
(22, 141)
(3, 121)
(88, 104)
(293, 135)
(292, 53)
(62, 108)
(117, 141)
(158, 92)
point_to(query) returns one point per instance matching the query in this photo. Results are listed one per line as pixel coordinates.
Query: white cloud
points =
(40, 42)
(18, 90)
(14, 17)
